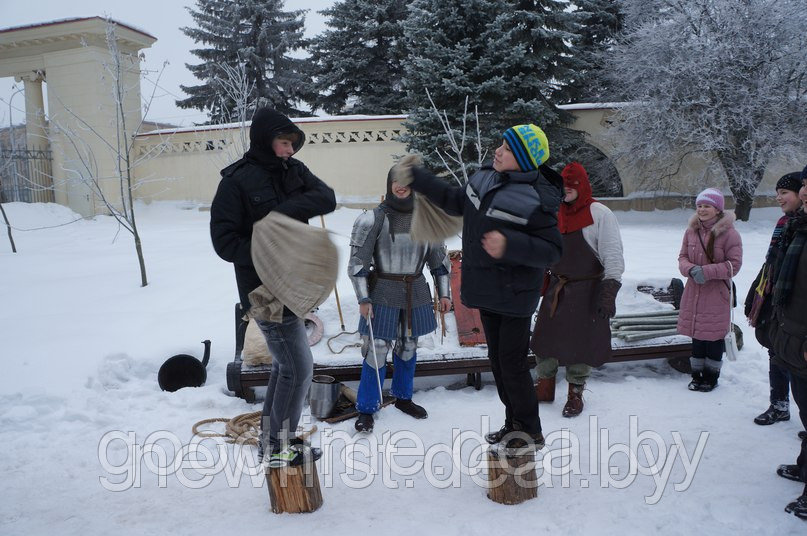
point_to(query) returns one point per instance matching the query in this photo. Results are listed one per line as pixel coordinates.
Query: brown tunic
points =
(574, 332)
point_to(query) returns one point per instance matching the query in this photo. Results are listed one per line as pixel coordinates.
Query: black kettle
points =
(183, 370)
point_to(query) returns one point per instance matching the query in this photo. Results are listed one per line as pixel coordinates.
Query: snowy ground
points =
(83, 422)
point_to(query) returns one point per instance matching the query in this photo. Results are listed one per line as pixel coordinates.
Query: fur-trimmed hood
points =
(724, 222)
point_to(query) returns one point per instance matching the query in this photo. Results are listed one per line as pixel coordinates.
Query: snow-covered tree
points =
(510, 58)
(357, 64)
(726, 78)
(259, 34)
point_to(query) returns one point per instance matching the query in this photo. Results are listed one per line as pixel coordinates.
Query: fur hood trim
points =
(723, 223)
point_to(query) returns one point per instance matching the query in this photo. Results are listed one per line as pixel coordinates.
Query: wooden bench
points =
(243, 379)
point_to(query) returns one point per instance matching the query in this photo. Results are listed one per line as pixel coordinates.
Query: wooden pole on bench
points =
(511, 480)
(294, 490)
(335, 290)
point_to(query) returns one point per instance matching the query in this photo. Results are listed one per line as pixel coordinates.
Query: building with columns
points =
(84, 112)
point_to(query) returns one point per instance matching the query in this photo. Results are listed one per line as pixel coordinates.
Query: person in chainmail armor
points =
(386, 268)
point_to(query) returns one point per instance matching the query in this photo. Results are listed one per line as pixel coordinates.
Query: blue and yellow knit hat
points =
(529, 145)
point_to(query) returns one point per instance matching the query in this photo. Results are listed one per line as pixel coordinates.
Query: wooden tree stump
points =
(511, 480)
(294, 489)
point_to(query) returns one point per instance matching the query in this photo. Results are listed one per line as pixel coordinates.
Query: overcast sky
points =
(160, 18)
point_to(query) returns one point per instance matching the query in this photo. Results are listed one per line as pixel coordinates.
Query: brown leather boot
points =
(574, 405)
(545, 389)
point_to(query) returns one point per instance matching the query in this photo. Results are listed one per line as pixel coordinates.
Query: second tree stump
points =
(511, 480)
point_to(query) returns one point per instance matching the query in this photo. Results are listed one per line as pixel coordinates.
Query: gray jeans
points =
(292, 368)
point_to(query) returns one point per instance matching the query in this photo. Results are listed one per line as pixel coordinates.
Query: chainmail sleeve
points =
(440, 266)
(362, 244)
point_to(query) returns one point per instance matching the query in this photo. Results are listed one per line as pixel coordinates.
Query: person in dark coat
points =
(581, 291)
(268, 179)
(759, 306)
(788, 332)
(509, 237)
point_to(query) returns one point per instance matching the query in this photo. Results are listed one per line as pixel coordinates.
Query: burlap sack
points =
(430, 224)
(255, 350)
(402, 171)
(296, 263)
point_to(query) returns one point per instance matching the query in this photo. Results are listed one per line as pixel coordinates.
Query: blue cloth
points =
(387, 320)
(403, 377)
(368, 399)
(403, 383)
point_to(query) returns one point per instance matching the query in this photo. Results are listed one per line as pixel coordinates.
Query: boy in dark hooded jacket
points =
(268, 179)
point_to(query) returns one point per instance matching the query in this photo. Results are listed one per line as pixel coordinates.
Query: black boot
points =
(518, 441)
(710, 376)
(772, 415)
(364, 423)
(798, 507)
(697, 381)
(790, 472)
(411, 409)
(495, 437)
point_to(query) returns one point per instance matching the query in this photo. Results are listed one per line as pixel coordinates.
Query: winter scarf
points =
(577, 214)
(794, 236)
(776, 237)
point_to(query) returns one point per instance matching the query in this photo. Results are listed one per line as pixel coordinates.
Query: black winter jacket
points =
(523, 207)
(255, 185)
(788, 327)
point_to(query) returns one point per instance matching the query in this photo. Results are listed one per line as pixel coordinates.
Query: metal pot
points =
(183, 370)
(323, 394)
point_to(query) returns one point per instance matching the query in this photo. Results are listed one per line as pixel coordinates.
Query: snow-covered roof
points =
(316, 119)
(591, 105)
(74, 19)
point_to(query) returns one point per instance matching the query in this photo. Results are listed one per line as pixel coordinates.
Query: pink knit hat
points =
(711, 196)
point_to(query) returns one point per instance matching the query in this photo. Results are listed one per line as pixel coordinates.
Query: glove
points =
(696, 273)
(606, 305)
(402, 171)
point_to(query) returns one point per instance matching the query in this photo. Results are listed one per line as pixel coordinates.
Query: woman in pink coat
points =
(711, 254)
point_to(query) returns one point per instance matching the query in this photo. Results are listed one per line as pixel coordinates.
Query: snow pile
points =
(91, 444)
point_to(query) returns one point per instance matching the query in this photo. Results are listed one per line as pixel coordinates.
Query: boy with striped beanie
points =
(509, 237)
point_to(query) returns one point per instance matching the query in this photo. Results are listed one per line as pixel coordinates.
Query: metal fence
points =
(26, 176)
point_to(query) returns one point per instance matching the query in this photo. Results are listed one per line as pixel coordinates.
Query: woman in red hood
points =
(580, 297)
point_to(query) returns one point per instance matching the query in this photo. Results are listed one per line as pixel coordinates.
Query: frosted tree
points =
(258, 34)
(357, 64)
(85, 142)
(722, 78)
(509, 58)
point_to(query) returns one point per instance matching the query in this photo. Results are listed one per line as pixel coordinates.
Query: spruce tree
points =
(357, 63)
(511, 58)
(256, 33)
(600, 22)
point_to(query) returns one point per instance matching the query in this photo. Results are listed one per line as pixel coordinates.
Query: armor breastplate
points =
(403, 256)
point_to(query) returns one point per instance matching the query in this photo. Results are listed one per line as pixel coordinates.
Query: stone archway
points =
(602, 173)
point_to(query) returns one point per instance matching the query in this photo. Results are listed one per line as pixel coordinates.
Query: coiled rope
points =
(242, 429)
